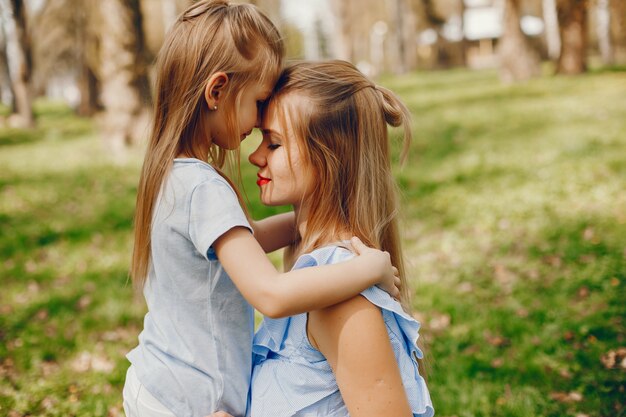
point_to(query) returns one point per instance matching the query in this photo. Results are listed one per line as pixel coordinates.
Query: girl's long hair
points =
(210, 36)
(341, 130)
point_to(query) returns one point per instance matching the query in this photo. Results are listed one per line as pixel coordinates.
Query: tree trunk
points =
(122, 71)
(168, 8)
(403, 26)
(518, 60)
(5, 78)
(573, 29)
(86, 59)
(271, 8)
(20, 63)
(618, 29)
(553, 39)
(88, 87)
(343, 39)
(603, 31)
(464, 42)
(398, 16)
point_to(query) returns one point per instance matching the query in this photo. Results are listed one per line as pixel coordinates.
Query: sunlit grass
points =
(515, 200)
(514, 215)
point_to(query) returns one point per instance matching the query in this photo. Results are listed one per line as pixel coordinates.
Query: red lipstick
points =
(262, 180)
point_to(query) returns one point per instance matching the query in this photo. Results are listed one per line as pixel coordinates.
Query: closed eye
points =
(273, 146)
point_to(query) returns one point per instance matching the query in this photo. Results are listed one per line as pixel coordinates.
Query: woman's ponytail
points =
(396, 114)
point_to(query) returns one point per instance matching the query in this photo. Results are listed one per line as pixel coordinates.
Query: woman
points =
(325, 151)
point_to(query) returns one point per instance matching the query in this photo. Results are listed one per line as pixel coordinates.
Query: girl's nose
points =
(257, 157)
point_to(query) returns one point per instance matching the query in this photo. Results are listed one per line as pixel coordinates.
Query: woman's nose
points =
(257, 158)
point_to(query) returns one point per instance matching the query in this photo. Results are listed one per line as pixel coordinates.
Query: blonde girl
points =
(194, 254)
(325, 150)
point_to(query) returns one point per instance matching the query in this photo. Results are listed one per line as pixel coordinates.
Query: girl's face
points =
(284, 177)
(253, 95)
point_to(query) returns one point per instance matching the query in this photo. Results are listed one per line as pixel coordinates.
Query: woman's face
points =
(284, 176)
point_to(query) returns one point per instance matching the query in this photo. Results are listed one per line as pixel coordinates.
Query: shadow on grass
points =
(471, 178)
(59, 319)
(19, 136)
(53, 121)
(536, 324)
(79, 205)
(608, 69)
(9, 136)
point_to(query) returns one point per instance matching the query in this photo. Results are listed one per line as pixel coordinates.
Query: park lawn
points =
(514, 214)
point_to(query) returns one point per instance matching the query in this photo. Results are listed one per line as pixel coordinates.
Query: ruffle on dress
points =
(292, 378)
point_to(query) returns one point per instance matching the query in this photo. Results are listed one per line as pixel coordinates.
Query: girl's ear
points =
(215, 88)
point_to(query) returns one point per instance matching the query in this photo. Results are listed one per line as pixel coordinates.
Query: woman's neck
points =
(302, 217)
(333, 236)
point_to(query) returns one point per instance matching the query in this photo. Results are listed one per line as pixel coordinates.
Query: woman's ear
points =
(214, 90)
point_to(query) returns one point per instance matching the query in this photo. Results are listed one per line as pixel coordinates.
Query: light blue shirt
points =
(292, 378)
(194, 351)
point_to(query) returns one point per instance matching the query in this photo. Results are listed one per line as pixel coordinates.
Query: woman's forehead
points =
(278, 114)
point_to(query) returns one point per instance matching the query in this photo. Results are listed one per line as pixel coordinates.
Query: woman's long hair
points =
(210, 36)
(341, 130)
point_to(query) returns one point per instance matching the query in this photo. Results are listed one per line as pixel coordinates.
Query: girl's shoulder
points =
(190, 172)
(194, 167)
(325, 255)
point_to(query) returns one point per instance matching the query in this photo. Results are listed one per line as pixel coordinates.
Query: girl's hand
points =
(390, 278)
(220, 414)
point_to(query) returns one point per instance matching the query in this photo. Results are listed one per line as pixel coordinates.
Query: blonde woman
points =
(194, 255)
(325, 151)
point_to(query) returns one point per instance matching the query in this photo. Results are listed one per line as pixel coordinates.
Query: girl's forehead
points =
(264, 88)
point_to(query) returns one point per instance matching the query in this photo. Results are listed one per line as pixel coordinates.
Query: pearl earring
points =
(215, 107)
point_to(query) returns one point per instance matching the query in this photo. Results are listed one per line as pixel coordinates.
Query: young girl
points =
(325, 151)
(194, 254)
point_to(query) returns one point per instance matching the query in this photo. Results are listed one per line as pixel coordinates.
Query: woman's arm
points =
(353, 338)
(275, 232)
(284, 294)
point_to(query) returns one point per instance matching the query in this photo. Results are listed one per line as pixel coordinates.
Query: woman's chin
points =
(269, 203)
(272, 202)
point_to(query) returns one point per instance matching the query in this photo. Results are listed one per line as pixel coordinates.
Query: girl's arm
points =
(275, 232)
(353, 338)
(284, 294)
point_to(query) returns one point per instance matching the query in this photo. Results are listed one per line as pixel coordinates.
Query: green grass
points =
(514, 218)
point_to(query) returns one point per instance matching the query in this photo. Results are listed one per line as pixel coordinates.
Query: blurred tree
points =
(603, 30)
(447, 19)
(432, 15)
(618, 28)
(464, 42)
(518, 60)
(158, 16)
(19, 59)
(572, 16)
(343, 40)
(125, 89)
(271, 8)
(66, 41)
(294, 41)
(550, 19)
(403, 26)
(376, 35)
(4, 69)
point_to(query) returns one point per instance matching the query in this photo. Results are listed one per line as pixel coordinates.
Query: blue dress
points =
(292, 378)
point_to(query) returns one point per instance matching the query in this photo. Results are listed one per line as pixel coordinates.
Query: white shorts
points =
(138, 402)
